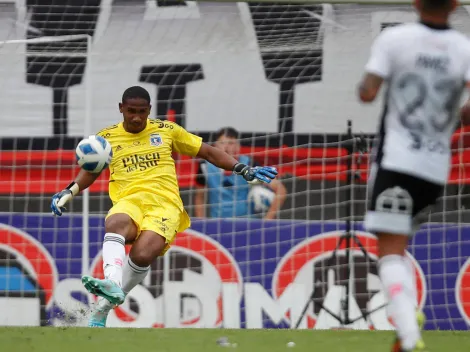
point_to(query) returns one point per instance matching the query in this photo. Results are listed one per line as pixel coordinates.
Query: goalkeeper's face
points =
(135, 112)
(229, 145)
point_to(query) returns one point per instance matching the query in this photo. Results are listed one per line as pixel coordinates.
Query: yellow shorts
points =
(150, 213)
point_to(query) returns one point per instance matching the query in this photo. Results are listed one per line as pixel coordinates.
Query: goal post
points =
(284, 76)
(49, 55)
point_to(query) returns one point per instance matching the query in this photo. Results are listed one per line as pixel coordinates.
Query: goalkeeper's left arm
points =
(223, 160)
(83, 180)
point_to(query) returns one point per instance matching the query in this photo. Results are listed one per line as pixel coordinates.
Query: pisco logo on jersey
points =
(28, 278)
(462, 291)
(189, 287)
(140, 162)
(315, 267)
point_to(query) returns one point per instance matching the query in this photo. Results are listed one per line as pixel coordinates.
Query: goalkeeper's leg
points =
(147, 247)
(120, 228)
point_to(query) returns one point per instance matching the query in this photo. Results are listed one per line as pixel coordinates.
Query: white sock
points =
(397, 280)
(131, 277)
(412, 275)
(114, 254)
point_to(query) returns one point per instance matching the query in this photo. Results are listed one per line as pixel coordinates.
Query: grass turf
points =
(48, 339)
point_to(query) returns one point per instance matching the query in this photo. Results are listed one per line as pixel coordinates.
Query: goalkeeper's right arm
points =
(83, 180)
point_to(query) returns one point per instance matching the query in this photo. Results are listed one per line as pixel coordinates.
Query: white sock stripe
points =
(115, 238)
(136, 268)
(116, 235)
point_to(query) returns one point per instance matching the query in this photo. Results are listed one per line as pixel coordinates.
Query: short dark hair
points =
(135, 92)
(436, 5)
(227, 132)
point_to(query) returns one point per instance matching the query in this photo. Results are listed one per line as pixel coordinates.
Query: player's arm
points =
(377, 69)
(224, 161)
(83, 180)
(189, 144)
(369, 87)
(280, 196)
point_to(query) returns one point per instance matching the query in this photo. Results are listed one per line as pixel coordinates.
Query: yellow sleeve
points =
(184, 142)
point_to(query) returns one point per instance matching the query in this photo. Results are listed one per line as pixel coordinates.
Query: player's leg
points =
(398, 282)
(395, 200)
(143, 252)
(159, 229)
(146, 248)
(120, 228)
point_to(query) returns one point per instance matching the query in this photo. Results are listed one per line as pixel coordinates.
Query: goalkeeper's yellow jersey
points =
(143, 162)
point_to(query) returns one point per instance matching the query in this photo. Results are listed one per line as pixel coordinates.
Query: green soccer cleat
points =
(99, 313)
(420, 346)
(421, 319)
(104, 288)
(98, 318)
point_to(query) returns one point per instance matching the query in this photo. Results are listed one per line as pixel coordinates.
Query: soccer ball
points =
(94, 154)
(260, 199)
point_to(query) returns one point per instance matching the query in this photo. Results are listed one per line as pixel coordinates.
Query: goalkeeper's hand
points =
(63, 197)
(255, 175)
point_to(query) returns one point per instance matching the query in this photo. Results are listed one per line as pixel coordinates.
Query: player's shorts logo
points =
(28, 277)
(462, 291)
(183, 289)
(320, 269)
(156, 140)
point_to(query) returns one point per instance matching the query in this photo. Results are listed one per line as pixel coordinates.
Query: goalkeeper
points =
(147, 209)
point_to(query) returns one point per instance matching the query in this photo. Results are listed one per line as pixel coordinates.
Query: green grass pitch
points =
(48, 339)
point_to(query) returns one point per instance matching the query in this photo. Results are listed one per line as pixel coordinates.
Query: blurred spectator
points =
(224, 194)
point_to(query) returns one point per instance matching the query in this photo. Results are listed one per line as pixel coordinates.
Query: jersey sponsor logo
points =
(141, 162)
(28, 273)
(462, 291)
(164, 124)
(394, 200)
(319, 269)
(156, 140)
(191, 295)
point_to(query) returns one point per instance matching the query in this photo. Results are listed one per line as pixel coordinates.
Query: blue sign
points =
(233, 273)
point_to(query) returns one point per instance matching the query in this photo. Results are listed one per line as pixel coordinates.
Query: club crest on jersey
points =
(156, 140)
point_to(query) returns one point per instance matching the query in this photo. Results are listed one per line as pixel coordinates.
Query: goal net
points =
(283, 76)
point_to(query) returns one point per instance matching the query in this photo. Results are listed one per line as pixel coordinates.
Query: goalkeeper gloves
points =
(255, 175)
(63, 197)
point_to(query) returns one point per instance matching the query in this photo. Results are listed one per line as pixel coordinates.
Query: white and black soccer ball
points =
(260, 199)
(94, 154)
